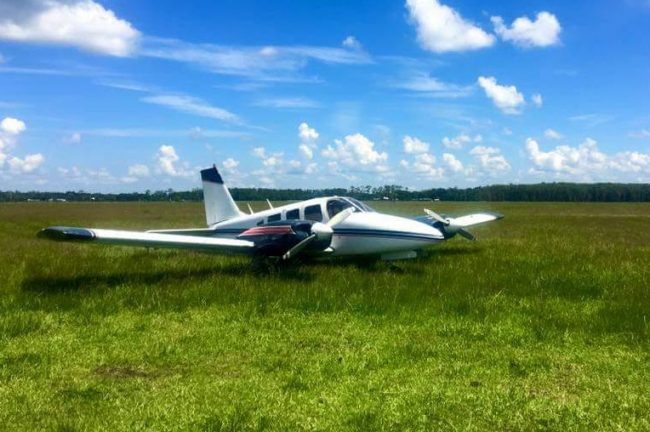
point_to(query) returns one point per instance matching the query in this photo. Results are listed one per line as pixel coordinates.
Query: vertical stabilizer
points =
(219, 205)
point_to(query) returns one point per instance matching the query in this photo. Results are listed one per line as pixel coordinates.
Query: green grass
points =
(540, 325)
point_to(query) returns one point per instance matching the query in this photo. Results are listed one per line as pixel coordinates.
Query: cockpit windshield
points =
(359, 205)
(337, 205)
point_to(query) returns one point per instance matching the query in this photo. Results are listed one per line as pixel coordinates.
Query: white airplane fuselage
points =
(364, 232)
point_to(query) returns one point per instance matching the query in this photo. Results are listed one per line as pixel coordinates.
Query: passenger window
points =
(260, 223)
(273, 218)
(314, 213)
(293, 214)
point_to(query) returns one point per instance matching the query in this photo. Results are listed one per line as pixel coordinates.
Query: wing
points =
(146, 239)
(475, 219)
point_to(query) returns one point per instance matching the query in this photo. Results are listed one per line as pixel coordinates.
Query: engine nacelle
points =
(276, 238)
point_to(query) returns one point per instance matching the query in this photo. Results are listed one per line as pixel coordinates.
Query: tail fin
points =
(219, 205)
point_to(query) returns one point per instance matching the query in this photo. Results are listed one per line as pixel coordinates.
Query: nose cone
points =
(389, 223)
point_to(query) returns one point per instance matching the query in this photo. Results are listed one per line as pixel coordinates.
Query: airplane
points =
(320, 227)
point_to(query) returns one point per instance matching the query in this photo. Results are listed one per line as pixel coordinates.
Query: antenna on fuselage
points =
(250, 210)
(269, 203)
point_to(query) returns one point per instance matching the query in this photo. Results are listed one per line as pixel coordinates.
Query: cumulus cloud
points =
(268, 160)
(357, 151)
(26, 165)
(537, 100)
(308, 137)
(414, 145)
(139, 170)
(230, 164)
(586, 161)
(10, 129)
(84, 24)
(442, 29)
(459, 141)
(12, 126)
(552, 134)
(424, 164)
(490, 159)
(306, 133)
(352, 43)
(454, 164)
(506, 98)
(543, 32)
(169, 162)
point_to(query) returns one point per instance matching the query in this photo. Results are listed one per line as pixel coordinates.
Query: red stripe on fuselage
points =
(282, 229)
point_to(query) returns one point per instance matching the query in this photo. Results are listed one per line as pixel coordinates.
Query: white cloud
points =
(459, 141)
(168, 162)
(587, 161)
(352, 43)
(83, 24)
(306, 151)
(138, 170)
(12, 126)
(454, 164)
(422, 82)
(267, 63)
(292, 102)
(643, 133)
(73, 138)
(268, 160)
(537, 100)
(414, 145)
(358, 152)
(490, 159)
(308, 137)
(506, 98)
(230, 164)
(193, 106)
(442, 29)
(552, 134)
(543, 32)
(306, 133)
(26, 165)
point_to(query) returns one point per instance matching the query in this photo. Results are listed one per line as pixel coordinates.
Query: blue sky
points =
(121, 95)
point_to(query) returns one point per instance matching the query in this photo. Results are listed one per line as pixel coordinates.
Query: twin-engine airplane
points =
(330, 226)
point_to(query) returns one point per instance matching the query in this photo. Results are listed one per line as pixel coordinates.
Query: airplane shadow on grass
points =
(302, 271)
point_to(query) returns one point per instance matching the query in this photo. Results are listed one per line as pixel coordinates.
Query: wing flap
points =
(146, 239)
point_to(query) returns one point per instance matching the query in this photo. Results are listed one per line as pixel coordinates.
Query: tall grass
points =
(541, 324)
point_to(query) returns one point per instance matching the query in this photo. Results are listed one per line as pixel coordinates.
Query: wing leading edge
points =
(148, 239)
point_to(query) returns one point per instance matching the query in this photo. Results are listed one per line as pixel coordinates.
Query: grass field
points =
(540, 325)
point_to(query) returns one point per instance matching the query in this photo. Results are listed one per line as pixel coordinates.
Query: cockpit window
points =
(337, 205)
(359, 205)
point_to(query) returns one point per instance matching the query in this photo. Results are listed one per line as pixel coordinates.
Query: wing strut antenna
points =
(269, 203)
(250, 210)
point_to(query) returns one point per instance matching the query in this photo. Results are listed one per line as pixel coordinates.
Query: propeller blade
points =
(436, 216)
(291, 253)
(340, 217)
(468, 235)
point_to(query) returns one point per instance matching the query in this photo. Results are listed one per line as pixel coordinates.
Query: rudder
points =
(219, 204)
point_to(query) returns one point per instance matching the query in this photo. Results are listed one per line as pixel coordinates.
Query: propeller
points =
(449, 227)
(319, 231)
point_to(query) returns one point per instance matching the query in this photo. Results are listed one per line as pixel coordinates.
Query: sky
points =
(118, 96)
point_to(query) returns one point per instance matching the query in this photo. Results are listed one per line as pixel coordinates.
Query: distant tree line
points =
(568, 192)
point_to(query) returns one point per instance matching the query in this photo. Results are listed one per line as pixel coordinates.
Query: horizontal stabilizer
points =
(146, 239)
